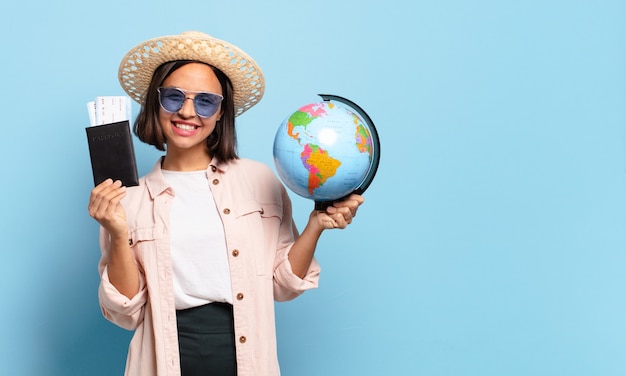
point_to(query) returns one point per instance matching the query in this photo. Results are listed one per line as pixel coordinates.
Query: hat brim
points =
(137, 67)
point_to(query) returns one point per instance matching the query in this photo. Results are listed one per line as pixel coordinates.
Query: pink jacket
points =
(256, 212)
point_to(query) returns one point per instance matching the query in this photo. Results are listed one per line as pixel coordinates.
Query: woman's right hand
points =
(104, 207)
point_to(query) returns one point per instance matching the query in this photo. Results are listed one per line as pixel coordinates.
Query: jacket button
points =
(216, 181)
(240, 296)
(226, 211)
(235, 252)
(213, 168)
(242, 339)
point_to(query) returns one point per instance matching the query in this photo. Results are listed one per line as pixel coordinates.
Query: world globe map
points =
(323, 151)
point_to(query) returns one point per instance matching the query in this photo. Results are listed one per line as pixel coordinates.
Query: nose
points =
(187, 110)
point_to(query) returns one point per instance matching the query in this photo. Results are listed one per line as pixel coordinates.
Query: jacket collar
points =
(155, 182)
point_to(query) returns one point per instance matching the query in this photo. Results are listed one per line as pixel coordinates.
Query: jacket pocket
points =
(139, 238)
(262, 224)
(140, 235)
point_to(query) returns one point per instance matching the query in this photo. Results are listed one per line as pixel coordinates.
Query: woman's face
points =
(184, 130)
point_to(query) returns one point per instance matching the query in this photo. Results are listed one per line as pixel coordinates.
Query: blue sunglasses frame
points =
(205, 103)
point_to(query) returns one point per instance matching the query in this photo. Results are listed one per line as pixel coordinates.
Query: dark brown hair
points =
(221, 144)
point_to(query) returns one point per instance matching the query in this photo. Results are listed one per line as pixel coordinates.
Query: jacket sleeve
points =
(287, 285)
(116, 307)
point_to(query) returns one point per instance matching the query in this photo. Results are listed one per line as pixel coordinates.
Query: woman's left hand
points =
(340, 213)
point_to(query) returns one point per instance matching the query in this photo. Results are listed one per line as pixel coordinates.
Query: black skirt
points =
(206, 339)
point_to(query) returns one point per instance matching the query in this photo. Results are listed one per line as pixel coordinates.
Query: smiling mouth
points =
(185, 127)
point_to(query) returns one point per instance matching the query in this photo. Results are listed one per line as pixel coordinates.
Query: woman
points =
(194, 257)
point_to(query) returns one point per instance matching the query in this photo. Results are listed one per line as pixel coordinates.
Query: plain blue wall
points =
(492, 241)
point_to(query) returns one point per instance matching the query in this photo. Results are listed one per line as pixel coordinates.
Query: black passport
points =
(112, 153)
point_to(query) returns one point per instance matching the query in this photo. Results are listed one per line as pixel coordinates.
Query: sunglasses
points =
(172, 100)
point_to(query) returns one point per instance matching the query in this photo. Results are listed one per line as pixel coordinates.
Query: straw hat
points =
(137, 67)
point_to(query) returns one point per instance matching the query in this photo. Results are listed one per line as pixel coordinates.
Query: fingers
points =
(342, 219)
(347, 207)
(341, 213)
(328, 222)
(104, 198)
(353, 202)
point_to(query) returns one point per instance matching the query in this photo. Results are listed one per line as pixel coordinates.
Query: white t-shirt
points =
(199, 256)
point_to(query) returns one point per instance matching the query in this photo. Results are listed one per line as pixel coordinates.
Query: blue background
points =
(492, 241)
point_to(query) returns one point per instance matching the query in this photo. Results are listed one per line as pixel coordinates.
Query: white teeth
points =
(185, 127)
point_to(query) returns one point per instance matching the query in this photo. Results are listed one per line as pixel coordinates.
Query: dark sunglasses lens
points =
(171, 99)
(206, 104)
